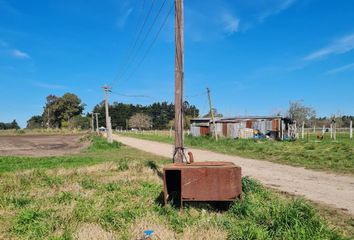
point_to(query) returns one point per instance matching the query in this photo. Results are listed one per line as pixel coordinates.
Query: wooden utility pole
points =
(179, 79)
(106, 90)
(212, 114)
(97, 128)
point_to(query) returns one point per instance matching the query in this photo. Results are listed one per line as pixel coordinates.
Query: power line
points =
(135, 42)
(196, 95)
(130, 48)
(135, 53)
(132, 96)
(151, 45)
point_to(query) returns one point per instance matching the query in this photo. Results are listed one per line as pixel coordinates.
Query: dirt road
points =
(329, 189)
(40, 145)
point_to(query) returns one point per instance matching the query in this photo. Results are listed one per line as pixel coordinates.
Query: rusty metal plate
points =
(203, 181)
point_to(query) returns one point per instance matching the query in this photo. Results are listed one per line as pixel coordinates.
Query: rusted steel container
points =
(202, 181)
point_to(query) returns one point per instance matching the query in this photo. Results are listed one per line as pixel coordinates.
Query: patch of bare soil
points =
(40, 145)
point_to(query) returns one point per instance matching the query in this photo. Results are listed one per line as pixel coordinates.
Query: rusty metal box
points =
(202, 181)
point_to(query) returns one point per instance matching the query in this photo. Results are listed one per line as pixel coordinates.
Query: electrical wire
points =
(130, 48)
(135, 41)
(151, 45)
(196, 95)
(132, 96)
(135, 54)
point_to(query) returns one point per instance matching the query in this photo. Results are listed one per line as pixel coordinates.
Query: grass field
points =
(113, 192)
(326, 155)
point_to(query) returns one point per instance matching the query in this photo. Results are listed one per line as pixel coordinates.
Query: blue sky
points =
(255, 56)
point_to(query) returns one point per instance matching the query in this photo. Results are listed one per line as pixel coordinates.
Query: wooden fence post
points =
(351, 130)
(303, 131)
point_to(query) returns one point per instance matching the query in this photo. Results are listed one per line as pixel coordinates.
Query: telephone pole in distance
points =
(97, 130)
(106, 90)
(212, 114)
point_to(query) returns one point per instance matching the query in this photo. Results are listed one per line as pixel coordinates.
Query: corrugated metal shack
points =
(200, 126)
(240, 127)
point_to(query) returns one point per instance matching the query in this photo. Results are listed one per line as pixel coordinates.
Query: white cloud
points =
(19, 54)
(231, 23)
(344, 68)
(201, 27)
(122, 19)
(343, 45)
(275, 7)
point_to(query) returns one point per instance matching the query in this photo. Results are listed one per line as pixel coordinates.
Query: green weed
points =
(101, 144)
(33, 223)
(123, 165)
(88, 183)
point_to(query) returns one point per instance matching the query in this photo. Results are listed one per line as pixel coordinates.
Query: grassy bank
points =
(326, 155)
(117, 194)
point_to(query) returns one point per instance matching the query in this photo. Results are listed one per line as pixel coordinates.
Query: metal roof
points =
(251, 117)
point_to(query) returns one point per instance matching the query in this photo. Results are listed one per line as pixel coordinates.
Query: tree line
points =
(10, 125)
(158, 115)
(67, 111)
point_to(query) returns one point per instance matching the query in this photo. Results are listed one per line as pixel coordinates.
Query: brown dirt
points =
(328, 189)
(40, 145)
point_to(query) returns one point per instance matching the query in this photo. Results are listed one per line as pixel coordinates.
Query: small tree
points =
(14, 125)
(80, 122)
(301, 113)
(140, 121)
(35, 122)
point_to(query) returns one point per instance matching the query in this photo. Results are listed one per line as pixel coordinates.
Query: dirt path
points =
(326, 188)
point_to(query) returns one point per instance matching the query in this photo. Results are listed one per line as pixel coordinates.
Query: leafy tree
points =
(190, 110)
(71, 106)
(11, 125)
(161, 113)
(35, 122)
(14, 125)
(140, 121)
(346, 120)
(61, 110)
(80, 122)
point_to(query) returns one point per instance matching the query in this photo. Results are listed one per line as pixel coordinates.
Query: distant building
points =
(275, 127)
